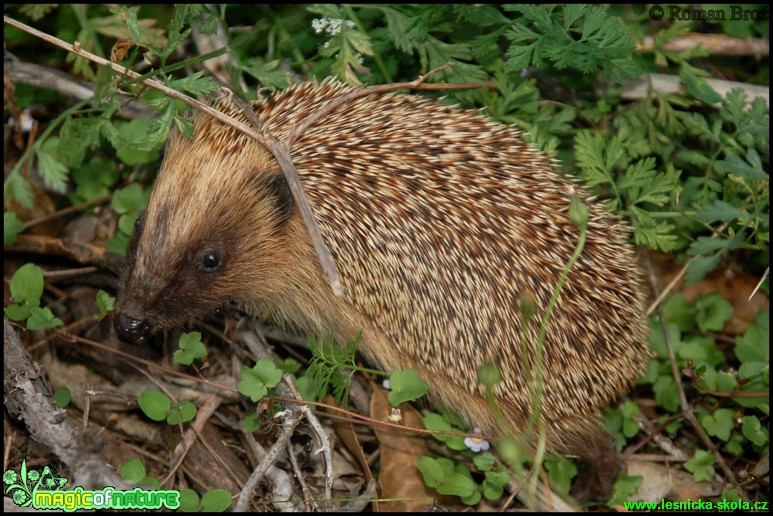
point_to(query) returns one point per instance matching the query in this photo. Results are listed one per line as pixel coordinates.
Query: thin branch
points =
(70, 209)
(715, 44)
(39, 76)
(291, 419)
(686, 408)
(639, 88)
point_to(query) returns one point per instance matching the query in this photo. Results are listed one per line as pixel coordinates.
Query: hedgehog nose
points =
(131, 330)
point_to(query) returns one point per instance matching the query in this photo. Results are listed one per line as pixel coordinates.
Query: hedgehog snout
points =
(131, 329)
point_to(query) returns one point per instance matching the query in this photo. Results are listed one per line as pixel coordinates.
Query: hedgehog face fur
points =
(439, 221)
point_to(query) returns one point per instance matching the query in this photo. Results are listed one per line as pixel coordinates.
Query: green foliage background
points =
(687, 170)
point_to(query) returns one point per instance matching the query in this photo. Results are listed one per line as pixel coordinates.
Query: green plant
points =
(133, 470)
(191, 348)
(26, 291)
(158, 407)
(687, 170)
(256, 381)
(215, 500)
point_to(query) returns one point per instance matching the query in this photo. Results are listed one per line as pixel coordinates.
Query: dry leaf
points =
(399, 476)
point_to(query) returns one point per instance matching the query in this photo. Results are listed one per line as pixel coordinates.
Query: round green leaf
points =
(132, 470)
(155, 404)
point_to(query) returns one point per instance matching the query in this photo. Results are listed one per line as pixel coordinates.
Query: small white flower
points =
(396, 416)
(476, 444)
(358, 56)
(386, 384)
(335, 26)
(319, 24)
(350, 24)
(26, 121)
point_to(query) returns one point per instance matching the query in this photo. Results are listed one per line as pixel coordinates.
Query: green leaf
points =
(457, 484)
(93, 179)
(630, 414)
(754, 431)
(701, 350)
(119, 243)
(713, 312)
(705, 245)
(154, 404)
(288, 365)
(54, 174)
(433, 421)
(183, 412)
(719, 211)
(12, 226)
(437, 422)
(251, 422)
(191, 348)
(719, 424)
(694, 158)
(132, 199)
(306, 389)
(701, 466)
(183, 15)
(723, 381)
(484, 461)
(195, 84)
(656, 235)
(255, 382)
(76, 137)
(62, 396)
(739, 167)
(17, 187)
(216, 500)
(753, 345)
(561, 471)
(753, 350)
(700, 266)
(666, 395)
(184, 125)
(130, 141)
(132, 470)
(37, 11)
(678, 311)
(433, 470)
(189, 501)
(18, 311)
(27, 284)
(406, 386)
(699, 88)
(588, 40)
(119, 25)
(474, 498)
(332, 365)
(625, 487)
(42, 319)
(105, 303)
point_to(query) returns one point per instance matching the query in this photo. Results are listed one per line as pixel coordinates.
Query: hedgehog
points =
(440, 221)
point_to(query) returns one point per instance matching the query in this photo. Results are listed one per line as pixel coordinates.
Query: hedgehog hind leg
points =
(597, 449)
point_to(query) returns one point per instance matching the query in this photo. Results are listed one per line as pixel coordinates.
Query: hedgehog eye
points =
(211, 261)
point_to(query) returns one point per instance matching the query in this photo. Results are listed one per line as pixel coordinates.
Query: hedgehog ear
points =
(277, 187)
